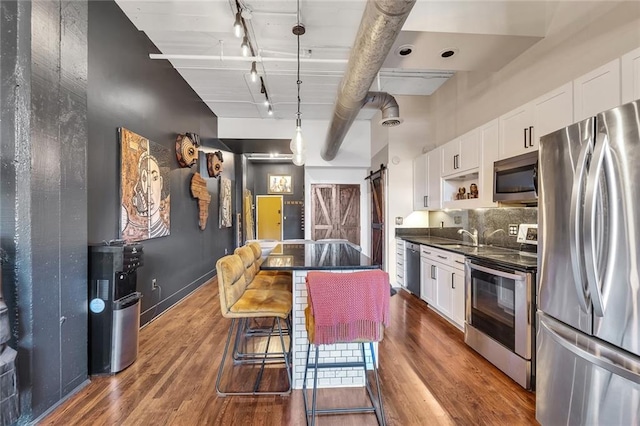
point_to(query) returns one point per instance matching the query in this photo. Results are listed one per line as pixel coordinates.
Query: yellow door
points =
(269, 217)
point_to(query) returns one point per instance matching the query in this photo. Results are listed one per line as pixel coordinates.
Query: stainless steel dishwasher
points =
(412, 257)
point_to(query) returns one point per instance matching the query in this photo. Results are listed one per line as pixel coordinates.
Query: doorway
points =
(269, 217)
(335, 212)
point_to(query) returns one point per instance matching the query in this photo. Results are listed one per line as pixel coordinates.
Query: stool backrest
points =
(231, 281)
(257, 253)
(248, 260)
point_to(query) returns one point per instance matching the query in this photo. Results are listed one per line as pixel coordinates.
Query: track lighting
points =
(270, 110)
(245, 46)
(237, 25)
(254, 72)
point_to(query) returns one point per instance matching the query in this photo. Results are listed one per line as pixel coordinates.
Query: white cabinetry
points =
(426, 181)
(420, 196)
(630, 73)
(520, 129)
(400, 262)
(461, 154)
(442, 283)
(597, 91)
(489, 137)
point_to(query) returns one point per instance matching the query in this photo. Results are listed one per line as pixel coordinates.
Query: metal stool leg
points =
(304, 385)
(224, 357)
(315, 387)
(380, 415)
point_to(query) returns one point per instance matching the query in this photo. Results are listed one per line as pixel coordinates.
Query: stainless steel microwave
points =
(515, 179)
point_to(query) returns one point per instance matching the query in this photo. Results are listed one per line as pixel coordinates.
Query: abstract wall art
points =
(226, 217)
(214, 163)
(280, 184)
(187, 149)
(145, 202)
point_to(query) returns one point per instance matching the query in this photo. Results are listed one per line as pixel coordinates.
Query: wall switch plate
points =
(513, 230)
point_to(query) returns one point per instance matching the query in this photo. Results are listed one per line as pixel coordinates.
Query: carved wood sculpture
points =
(199, 191)
(214, 163)
(187, 149)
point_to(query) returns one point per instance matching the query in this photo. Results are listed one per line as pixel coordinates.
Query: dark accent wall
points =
(44, 196)
(257, 178)
(149, 97)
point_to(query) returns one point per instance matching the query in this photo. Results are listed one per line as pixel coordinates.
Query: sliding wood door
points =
(335, 212)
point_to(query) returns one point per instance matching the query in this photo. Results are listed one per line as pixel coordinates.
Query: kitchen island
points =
(300, 258)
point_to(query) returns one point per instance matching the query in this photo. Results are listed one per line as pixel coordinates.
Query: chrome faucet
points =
(473, 236)
(492, 233)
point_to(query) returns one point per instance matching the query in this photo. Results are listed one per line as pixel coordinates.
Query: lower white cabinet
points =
(400, 262)
(442, 283)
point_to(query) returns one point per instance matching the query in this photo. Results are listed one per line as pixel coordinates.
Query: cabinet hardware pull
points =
(427, 252)
(442, 257)
(453, 280)
(530, 136)
(433, 272)
(457, 261)
(425, 201)
(525, 137)
(454, 162)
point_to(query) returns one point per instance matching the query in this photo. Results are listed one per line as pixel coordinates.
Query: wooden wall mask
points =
(187, 149)
(214, 163)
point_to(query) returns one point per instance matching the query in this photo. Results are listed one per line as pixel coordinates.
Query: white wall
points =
(355, 150)
(335, 175)
(581, 37)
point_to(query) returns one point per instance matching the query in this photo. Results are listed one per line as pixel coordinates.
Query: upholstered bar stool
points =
(241, 303)
(345, 308)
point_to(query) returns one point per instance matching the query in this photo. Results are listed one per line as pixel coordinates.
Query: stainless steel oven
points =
(499, 317)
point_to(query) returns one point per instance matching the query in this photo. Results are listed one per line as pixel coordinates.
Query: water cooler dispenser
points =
(114, 307)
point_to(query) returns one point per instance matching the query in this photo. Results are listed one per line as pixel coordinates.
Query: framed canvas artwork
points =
(145, 202)
(279, 184)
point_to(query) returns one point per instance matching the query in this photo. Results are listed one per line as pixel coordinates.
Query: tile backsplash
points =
(492, 224)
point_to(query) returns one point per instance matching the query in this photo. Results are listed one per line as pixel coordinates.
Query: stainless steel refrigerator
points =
(588, 319)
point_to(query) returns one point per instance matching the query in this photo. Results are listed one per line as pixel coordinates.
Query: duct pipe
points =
(381, 23)
(387, 104)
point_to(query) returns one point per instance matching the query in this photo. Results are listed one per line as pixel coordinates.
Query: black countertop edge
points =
(447, 245)
(319, 268)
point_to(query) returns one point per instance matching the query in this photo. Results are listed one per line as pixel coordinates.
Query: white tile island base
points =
(340, 352)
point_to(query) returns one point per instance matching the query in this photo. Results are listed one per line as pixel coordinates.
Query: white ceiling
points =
(486, 35)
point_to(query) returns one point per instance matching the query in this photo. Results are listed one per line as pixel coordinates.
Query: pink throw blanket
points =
(350, 306)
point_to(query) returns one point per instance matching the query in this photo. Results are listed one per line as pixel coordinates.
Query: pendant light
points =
(297, 143)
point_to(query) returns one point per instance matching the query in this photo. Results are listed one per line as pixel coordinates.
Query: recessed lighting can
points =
(447, 53)
(404, 50)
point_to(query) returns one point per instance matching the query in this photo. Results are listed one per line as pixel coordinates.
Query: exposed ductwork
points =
(381, 23)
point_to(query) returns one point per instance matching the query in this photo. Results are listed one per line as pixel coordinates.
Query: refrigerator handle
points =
(599, 356)
(575, 224)
(601, 152)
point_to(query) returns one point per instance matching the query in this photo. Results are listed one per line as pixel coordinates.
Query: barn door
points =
(377, 181)
(335, 212)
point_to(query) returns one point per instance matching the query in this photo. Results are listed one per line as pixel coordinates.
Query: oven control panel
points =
(528, 234)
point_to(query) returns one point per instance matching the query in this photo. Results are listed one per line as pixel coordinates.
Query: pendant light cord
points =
(298, 81)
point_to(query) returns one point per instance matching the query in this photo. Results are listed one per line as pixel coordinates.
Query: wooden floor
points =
(429, 377)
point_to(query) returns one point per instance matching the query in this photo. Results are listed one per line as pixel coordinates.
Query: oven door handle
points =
(516, 276)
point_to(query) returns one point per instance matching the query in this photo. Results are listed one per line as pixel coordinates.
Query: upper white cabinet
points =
(434, 198)
(597, 91)
(461, 154)
(552, 112)
(420, 182)
(489, 137)
(630, 71)
(514, 131)
(521, 129)
(426, 181)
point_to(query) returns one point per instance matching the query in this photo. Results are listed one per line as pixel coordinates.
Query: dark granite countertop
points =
(316, 256)
(496, 255)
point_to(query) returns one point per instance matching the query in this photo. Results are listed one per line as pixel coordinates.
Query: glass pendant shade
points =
(297, 143)
(298, 159)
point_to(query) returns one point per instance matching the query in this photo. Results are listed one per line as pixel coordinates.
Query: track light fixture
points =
(270, 110)
(245, 46)
(237, 25)
(254, 72)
